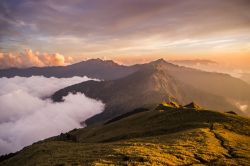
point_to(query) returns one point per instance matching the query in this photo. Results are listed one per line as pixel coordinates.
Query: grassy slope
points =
(173, 137)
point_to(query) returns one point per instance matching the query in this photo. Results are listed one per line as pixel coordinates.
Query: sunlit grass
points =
(149, 138)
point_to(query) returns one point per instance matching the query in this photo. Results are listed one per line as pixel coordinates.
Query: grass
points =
(180, 137)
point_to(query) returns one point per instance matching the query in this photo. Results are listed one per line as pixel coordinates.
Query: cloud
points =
(242, 107)
(28, 58)
(202, 64)
(27, 115)
(118, 17)
(194, 62)
(116, 22)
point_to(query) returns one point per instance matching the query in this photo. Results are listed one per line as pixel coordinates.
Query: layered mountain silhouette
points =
(93, 68)
(159, 81)
(215, 83)
(147, 83)
(211, 82)
(171, 135)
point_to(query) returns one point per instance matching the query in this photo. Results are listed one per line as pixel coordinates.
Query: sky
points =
(60, 32)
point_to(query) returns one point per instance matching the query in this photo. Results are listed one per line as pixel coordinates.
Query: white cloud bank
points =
(26, 116)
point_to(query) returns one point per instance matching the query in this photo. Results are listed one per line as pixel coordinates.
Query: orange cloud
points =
(28, 58)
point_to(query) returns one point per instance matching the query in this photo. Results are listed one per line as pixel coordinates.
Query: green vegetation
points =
(175, 136)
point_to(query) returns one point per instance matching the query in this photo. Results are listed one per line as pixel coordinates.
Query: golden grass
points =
(149, 138)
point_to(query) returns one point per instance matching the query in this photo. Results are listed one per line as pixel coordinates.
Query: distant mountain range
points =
(93, 68)
(125, 88)
(162, 81)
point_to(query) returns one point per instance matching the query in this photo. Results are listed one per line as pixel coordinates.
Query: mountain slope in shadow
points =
(146, 87)
(232, 89)
(211, 82)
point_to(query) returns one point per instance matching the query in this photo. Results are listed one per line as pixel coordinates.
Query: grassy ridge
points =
(157, 137)
(157, 122)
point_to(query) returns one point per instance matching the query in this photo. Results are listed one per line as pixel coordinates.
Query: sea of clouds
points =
(27, 114)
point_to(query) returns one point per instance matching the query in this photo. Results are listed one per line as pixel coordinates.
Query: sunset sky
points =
(59, 32)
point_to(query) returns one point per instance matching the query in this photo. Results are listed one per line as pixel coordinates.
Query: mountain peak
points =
(167, 105)
(96, 61)
(192, 105)
(159, 61)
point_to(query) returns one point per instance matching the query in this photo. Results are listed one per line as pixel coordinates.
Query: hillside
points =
(233, 90)
(146, 87)
(229, 87)
(224, 85)
(93, 68)
(166, 136)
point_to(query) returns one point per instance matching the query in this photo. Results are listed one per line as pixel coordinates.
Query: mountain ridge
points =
(147, 86)
(93, 68)
(173, 136)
